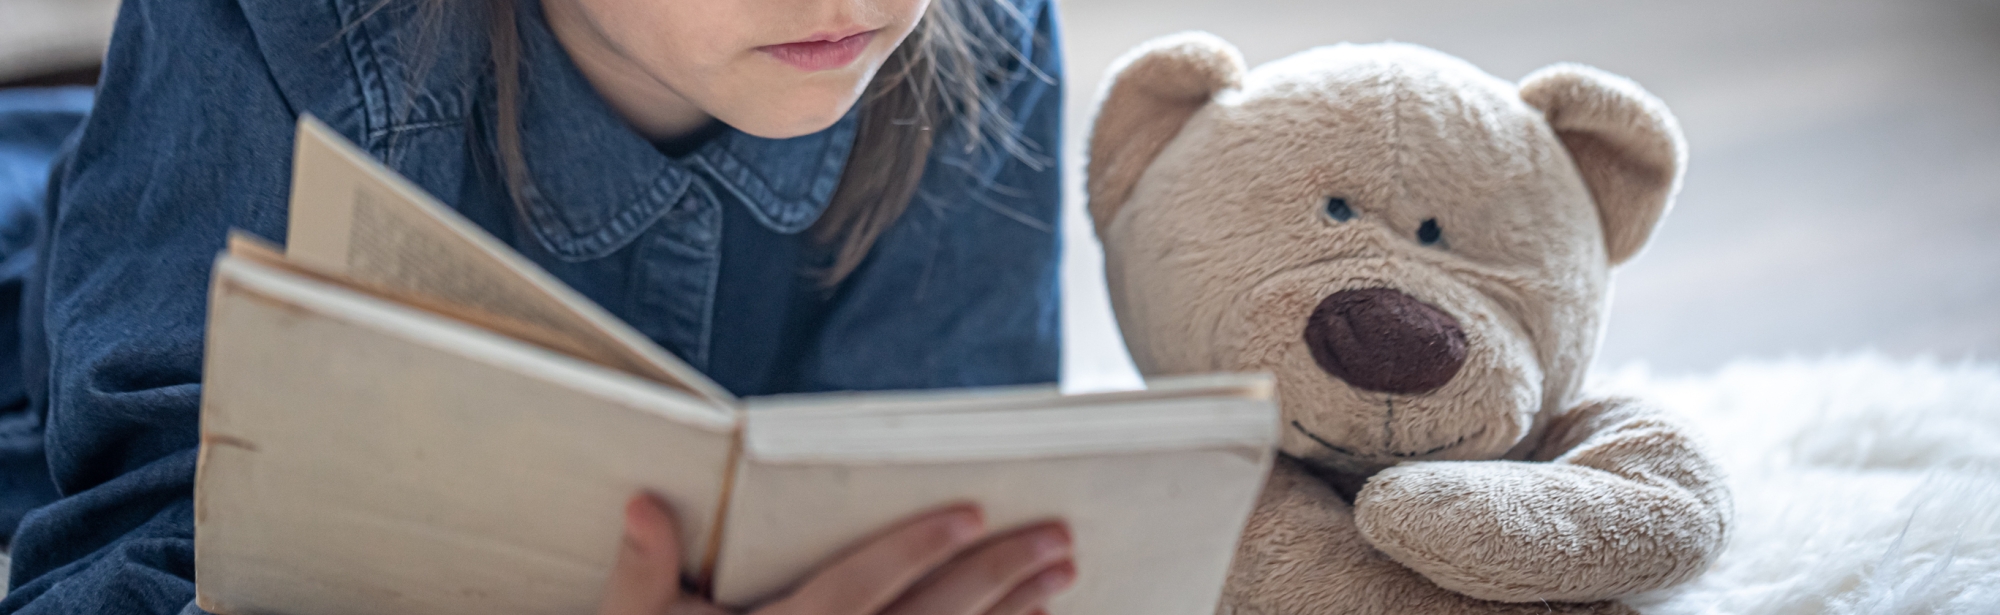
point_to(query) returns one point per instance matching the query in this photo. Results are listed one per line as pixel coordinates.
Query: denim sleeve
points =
(35, 124)
(962, 290)
(189, 137)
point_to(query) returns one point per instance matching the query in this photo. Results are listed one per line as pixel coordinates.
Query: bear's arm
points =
(1301, 554)
(1617, 499)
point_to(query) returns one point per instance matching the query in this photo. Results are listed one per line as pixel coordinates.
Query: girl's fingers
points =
(1029, 597)
(883, 568)
(645, 580)
(979, 579)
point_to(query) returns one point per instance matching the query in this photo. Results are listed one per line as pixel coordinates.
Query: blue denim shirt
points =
(191, 135)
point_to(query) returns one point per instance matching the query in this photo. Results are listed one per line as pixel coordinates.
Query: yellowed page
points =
(1156, 491)
(360, 457)
(352, 217)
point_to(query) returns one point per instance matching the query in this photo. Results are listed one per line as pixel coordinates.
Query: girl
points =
(792, 195)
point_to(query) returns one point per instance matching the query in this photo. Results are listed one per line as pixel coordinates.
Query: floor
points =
(1843, 190)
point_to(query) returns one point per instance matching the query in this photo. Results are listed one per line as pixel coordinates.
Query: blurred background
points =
(48, 42)
(1843, 184)
(1842, 194)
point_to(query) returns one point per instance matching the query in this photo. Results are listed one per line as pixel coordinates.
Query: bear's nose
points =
(1383, 340)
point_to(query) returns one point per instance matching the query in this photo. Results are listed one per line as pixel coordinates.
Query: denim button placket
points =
(674, 277)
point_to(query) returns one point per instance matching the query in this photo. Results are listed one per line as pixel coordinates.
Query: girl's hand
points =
(931, 564)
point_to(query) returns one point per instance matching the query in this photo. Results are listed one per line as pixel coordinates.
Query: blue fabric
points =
(761, 338)
(191, 135)
(33, 125)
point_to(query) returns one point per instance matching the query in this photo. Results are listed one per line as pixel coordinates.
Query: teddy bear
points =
(1420, 253)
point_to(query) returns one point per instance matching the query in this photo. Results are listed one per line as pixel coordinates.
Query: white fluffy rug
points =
(1862, 485)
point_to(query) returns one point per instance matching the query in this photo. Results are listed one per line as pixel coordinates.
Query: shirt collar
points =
(596, 183)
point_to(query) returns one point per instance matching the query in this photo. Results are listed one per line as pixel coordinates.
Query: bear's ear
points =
(1625, 142)
(1153, 91)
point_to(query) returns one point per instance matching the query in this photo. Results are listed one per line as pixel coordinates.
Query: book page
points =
(249, 247)
(352, 217)
(1156, 492)
(1017, 397)
(360, 456)
(981, 425)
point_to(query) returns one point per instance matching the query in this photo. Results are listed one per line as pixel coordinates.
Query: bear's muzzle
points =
(1380, 339)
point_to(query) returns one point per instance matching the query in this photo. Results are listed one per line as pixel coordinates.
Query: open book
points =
(401, 415)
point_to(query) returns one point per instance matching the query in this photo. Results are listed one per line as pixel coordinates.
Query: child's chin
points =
(793, 114)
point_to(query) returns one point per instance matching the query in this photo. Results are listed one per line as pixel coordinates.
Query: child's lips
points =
(819, 55)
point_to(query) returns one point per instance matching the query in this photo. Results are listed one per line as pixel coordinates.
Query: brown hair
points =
(944, 70)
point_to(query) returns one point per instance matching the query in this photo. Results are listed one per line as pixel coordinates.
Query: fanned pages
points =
(353, 217)
(363, 457)
(401, 415)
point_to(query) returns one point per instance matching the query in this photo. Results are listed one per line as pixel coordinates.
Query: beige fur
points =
(1209, 185)
(1626, 144)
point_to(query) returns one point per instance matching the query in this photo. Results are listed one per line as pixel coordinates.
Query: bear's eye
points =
(1429, 233)
(1337, 209)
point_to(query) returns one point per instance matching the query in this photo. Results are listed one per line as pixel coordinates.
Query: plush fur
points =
(1429, 329)
(1863, 484)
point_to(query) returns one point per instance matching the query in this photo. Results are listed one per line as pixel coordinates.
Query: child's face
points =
(771, 68)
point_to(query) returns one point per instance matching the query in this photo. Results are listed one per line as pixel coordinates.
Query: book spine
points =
(705, 578)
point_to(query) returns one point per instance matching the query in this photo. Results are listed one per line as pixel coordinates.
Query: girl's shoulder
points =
(367, 67)
(198, 99)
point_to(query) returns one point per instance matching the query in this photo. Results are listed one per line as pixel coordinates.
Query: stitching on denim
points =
(402, 128)
(361, 54)
(569, 245)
